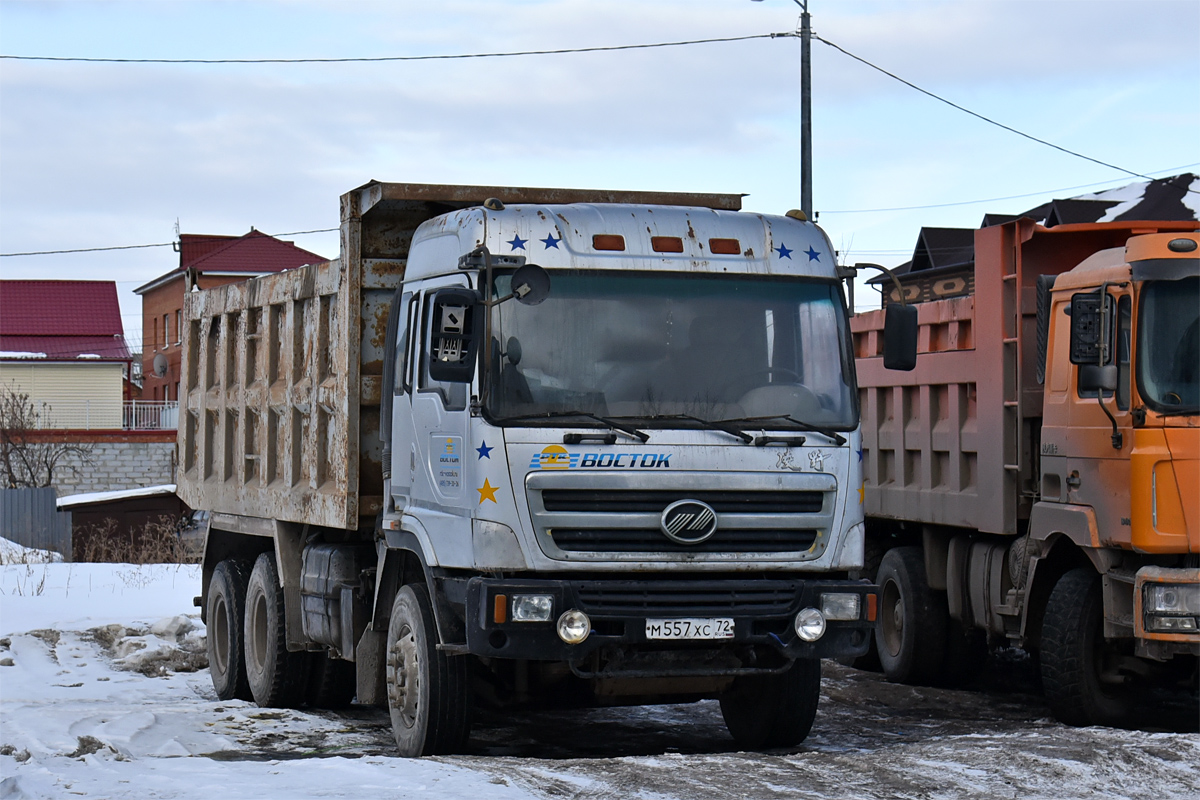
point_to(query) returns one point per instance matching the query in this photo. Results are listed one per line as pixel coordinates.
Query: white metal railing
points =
(151, 415)
(89, 414)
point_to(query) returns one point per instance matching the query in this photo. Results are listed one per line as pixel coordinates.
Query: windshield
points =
(656, 347)
(1168, 355)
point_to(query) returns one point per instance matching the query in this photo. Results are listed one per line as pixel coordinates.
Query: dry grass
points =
(155, 542)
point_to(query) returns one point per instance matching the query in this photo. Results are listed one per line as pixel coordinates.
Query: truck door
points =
(403, 456)
(441, 422)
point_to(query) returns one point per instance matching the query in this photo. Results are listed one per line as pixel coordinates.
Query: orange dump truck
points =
(1034, 480)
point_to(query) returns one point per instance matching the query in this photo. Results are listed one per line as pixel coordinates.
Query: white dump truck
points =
(531, 446)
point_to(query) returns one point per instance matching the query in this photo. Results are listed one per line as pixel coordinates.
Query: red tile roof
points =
(253, 253)
(59, 308)
(55, 347)
(62, 319)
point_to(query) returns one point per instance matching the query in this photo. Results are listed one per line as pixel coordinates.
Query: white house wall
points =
(69, 395)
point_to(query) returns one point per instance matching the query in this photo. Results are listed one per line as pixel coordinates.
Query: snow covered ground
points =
(104, 694)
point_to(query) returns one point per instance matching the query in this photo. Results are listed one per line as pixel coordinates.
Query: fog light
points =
(574, 626)
(841, 606)
(810, 624)
(1186, 624)
(532, 607)
(1169, 598)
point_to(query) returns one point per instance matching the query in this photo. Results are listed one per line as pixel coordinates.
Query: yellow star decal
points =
(488, 492)
(862, 493)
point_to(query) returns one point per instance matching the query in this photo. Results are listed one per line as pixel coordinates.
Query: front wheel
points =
(773, 710)
(1079, 675)
(429, 696)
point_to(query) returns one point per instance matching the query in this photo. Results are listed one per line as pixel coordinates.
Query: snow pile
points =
(13, 553)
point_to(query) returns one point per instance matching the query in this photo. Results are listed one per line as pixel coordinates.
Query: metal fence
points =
(30, 518)
(131, 415)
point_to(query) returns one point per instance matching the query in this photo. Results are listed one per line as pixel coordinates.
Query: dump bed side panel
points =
(270, 411)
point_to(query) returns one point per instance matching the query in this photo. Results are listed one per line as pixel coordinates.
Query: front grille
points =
(632, 501)
(638, 540)
(761, 598)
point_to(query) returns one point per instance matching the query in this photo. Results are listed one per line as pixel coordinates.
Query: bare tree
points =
(29, 458)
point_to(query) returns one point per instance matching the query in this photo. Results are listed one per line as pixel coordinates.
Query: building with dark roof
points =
(205, 261)
(943, 262)
(62, 344)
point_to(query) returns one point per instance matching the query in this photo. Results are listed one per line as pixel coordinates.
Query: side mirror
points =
(900, 337)
(1093, 378)
(454, 337)
(1089, 337)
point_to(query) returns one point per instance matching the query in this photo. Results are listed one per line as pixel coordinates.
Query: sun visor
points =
(1165, 269)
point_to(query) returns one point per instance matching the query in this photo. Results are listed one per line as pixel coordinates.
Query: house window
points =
(166, 331)
(178, 327)
(154, 330)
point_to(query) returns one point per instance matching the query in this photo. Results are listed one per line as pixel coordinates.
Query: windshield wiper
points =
(712, 426)
(628, 430)
(804, 426)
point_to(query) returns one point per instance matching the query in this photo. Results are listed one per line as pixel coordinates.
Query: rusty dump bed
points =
(955, 441)
(279, 408)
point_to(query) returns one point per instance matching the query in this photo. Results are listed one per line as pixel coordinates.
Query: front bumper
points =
(763, 611)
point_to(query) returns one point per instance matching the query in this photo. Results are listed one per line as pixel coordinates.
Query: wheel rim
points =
(404, 684)
(891, 621)
(220, 635)
(258, 631)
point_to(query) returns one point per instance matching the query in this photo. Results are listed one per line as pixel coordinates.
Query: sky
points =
(101, 154)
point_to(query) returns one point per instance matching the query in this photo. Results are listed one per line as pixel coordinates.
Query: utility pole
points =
(806, 203)
(805, 109)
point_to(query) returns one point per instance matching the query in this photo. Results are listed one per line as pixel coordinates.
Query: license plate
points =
(689, 628)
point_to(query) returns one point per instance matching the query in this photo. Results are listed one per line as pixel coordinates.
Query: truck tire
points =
(277, 677)
(1073, 652)
(332, 682)
(225, 612)
(773, 710)
(429, 695)
(911, 634)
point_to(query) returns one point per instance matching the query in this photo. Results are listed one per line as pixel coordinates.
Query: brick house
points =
(204, 262)
(62, 344)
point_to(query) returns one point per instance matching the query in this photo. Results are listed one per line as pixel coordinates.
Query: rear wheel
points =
(277, 677)
(1079, 675)
(773, 710)
(225, 612)
(429, 696)
(911, 634)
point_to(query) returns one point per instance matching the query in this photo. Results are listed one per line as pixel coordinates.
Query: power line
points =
(157, 244)
(994, 199)
(980, 116)
(377, 59)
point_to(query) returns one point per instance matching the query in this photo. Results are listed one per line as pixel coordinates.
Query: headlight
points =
(810, 624)
(532, 607)
(1169, 598)
(842, 606)
(574, 626)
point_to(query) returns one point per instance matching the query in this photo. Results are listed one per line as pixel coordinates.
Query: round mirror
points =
(530, 285)
(513, 353)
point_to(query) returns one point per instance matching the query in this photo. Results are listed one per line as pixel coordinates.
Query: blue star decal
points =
(485, 451)
(517, 242)
(783, 251)
(813, 255)
(860, 454)
(550, 241)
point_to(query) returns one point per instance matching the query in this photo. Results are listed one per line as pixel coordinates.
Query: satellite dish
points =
(160, 365)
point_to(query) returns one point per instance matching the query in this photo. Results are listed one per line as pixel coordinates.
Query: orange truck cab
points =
(1036, 478)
